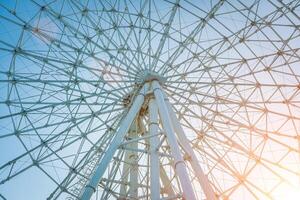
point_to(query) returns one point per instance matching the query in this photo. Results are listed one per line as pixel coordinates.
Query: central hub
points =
(141, 78)
(148, 76)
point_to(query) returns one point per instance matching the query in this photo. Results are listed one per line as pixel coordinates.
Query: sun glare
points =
(287, 192)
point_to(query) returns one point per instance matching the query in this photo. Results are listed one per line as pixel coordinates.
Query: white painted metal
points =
(133, 160)
(67, 68)
(202, 178)
(125, 173)
(166, 182)
(130, 167)
(154, 157)
(117, 140)
(179, 165)
(146, 137)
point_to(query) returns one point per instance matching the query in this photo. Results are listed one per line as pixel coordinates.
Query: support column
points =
(154, 158)
(133, 159)
(202, 178)
(125, 171)
(116, 141)
(179, 166)
(130, 169)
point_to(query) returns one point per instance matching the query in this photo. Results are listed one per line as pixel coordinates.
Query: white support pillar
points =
(133, 159)
(116, 141)
(202, 178)
(130, 169)
(154, 158)
(179, 165)
(125, 171)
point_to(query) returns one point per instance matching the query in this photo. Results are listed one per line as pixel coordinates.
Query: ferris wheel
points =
(150, 99)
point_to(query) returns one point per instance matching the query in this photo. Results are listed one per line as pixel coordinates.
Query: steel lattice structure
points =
(150, 99)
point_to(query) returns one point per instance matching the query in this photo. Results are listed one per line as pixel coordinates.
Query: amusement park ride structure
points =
(150, 99)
